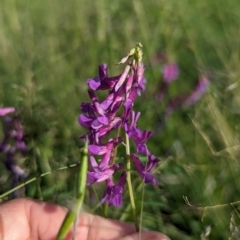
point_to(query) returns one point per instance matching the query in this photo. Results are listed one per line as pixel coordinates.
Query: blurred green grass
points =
(49, 49)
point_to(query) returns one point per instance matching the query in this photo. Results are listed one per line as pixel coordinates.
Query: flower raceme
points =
(12, 144)
(116, 112)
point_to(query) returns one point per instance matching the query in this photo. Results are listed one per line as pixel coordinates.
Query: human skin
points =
(26, 219)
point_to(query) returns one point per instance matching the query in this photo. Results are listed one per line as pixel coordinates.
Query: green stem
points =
(73, 213)
(129, 183)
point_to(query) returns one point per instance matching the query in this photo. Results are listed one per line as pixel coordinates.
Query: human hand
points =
(25, 219)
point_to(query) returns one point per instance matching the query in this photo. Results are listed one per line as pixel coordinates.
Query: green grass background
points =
(49, 48)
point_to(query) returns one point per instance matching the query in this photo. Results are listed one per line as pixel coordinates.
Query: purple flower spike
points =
(7, 110)
(115, 113)
(170, 72)
(113, 194)
(11, 145)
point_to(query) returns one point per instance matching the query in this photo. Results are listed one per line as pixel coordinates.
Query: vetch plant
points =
(114, 114)
(12, 145)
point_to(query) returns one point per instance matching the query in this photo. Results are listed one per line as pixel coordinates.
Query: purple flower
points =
(13, 133)
(198, 92)
(141, 80)
(113, 194)
(104, 148)
(122, 79)
(170, 72)
(129, 102)
(6, 110)
(102, 82)
(139, 136)
(103, 171)
(11, 165)
(11, 145)
(101, 175)
(94, 123)
(145, 171)
(95, 103)
(103, 131)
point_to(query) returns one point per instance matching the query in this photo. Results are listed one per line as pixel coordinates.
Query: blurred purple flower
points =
(6, 110)
(11, 144)
(184, 100)
(198, 92)
(170, 72)
(13, 137)
(10, 164)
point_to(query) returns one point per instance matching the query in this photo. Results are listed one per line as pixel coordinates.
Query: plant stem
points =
(129, 183)
(72, 215)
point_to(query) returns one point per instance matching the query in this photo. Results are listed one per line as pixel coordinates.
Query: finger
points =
(28, 219)
(25, 219)
(13, 221)
(100, 228)
(89, 227)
